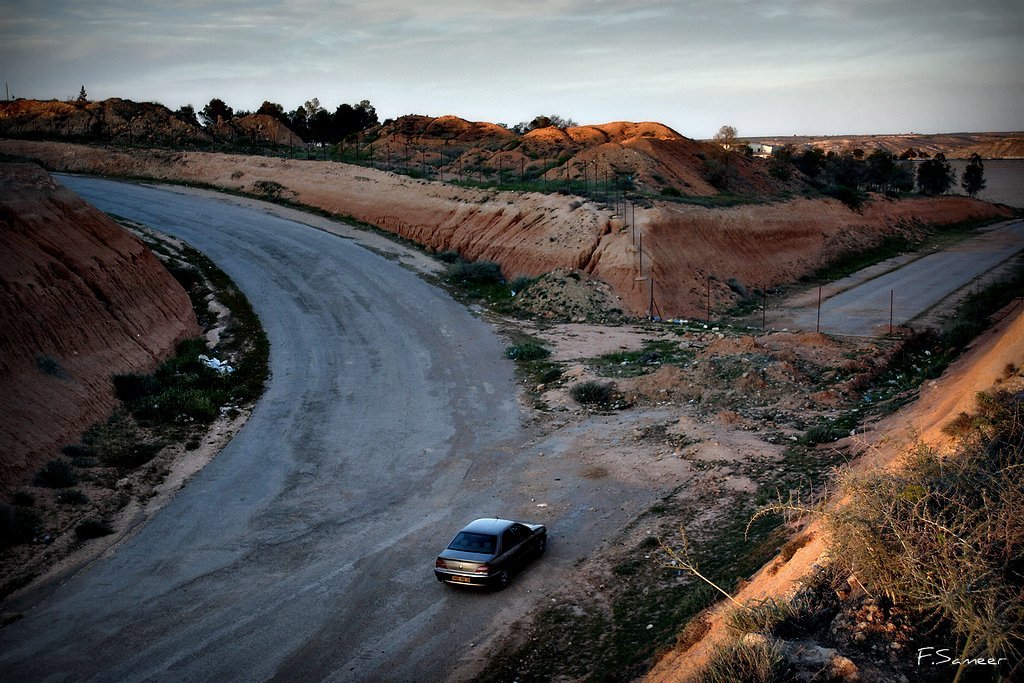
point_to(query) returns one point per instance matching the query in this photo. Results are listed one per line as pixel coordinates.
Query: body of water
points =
(1004, 180)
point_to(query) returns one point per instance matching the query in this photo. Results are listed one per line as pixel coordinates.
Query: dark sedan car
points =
(488, 551)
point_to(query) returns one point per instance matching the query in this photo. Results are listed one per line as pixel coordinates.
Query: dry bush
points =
(945, 535)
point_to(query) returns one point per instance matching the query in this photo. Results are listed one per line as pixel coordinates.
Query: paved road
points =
(862, 308)
(304, 550)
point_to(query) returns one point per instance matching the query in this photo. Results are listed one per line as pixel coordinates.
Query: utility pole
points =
(709, 299)
(764, 307)
(817, 325)
(892, 294)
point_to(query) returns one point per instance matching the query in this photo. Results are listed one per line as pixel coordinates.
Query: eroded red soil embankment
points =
(533, 233)
(81, 299)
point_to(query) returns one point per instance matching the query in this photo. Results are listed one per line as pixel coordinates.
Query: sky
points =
(775, 67)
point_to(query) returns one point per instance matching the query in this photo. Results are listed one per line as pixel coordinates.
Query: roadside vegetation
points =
(641, 600)
(929, 553)
(77, 495)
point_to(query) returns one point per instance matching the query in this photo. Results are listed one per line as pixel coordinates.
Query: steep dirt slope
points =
(80, 300)
(534, 233)
(765, 245)
(604, 157)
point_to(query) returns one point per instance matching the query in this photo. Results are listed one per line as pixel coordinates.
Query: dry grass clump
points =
(945, 536)
(750, 660)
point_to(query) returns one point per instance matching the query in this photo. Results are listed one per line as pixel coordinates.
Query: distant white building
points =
(761, 150)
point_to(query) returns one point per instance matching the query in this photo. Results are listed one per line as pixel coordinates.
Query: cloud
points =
(500, 59)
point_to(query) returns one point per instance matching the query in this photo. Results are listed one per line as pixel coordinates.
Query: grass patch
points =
(56, 474)
(120, 442)
(527, 351)
(92, 528)
(745, 661)
(72, 497)
(590, 393)
(652, 356)
(17, 525)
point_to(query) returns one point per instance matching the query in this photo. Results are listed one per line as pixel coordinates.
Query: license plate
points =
(461, 579)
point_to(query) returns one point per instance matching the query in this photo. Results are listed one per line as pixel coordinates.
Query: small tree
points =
(274, 110)
(187, 112)
(215, 111)
(82, 97)
(811, 161)
(973, 180)
(780, 165)
(726, 137)
(934, 176)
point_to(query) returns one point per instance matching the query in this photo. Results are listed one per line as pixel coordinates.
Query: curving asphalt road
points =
(861, 306)
(303, 551)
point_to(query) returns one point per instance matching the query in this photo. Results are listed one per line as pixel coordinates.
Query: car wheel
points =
(501, 580)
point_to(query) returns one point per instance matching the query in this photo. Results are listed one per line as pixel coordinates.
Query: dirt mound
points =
(113, 120)
(441, 131)
(81, 299)
(606, 157)
(260, 128)
(569, 296)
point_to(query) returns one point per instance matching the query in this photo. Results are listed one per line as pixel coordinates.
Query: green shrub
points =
(449, 256)
(476, 273)
(23, 499)
(72, 497)
(521, 283)
(594, 393)
(527, 351)
(92, 528)
(17, 525)
(56, 474)
(75, 450)
(132, 386)
(48, 365)
(822, 432)
(119, 443)
(188, 276)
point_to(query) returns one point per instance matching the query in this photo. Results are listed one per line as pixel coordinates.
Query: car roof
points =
(488, 525)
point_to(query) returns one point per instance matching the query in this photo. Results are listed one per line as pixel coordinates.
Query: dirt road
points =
(859, 304)
(304, 550)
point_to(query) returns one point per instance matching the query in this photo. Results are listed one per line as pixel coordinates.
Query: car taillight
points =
(439, 564)
(483, 569)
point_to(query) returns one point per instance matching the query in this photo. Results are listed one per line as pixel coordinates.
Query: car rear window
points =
(470, 542)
